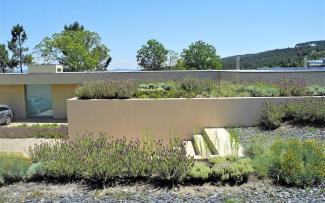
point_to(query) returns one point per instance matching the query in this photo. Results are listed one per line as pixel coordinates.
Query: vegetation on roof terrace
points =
(195, 88)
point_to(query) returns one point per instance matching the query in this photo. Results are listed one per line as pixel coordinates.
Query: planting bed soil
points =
(253, 191)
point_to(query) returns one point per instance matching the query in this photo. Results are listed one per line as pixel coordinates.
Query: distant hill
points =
(288, 57)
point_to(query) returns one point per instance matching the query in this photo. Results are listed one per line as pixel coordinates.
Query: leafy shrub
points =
(231, 169)
(101, 160)
(200, 170)
(308, 111)
(292, 87)
(107, 90)
(289, 161)
(13, 167)
(316, 90)
(35, 171)
(260, 89)
(191, 85)
(159, 90)
(298, 162)
(273, 115)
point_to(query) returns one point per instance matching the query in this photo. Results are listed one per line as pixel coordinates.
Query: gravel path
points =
(252, 191)
(286, 131)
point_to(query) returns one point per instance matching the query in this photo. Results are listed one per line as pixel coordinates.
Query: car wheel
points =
(8, 120)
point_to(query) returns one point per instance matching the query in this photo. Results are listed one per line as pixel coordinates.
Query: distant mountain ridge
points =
(287, 57)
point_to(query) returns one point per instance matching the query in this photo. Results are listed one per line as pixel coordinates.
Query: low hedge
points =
(35, 131)
(104, 160)
(193, 87)
(307, 111)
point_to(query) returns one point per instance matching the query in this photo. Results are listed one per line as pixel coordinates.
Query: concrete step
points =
(200, 147)
(220, 142)
(189, 149)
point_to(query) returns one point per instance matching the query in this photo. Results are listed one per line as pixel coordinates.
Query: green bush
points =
(289, 161)
(231, 169)
(102, 160)
(298, 162)
(13, 167)
(292, 87)
(273, 115)
(307, 111)
(107, 90)
(260, 89)
(316, 90)
(35, 171)
(200, 170)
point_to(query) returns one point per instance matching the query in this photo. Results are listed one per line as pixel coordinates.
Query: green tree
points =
(76, 48)
(201, 56)
(4, 58)
(152, 56)
(74, 27)
(19, 52)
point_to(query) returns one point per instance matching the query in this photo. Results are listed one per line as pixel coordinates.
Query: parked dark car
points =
(6, 114)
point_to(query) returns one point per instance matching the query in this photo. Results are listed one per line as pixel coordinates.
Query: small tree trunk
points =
(20, 57)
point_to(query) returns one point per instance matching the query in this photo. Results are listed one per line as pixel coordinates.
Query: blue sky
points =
(232, 26)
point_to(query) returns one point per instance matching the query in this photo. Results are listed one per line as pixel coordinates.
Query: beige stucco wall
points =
(163, 118)
(14, 96)
(60, 95)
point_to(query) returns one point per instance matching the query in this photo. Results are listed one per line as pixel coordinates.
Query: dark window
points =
(4, 108)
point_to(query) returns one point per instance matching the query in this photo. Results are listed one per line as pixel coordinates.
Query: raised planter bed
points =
(164, 118)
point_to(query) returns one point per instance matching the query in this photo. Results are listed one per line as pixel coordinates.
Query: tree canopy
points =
(16, 46)
(201, 56)
(152, 56)
(4, 58)
(76, 48)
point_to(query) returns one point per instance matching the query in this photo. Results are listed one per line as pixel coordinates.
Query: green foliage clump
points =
(292, 87)
(231, 169)
(157, 90)
(260, 89)
(289, 161)
(308, 111)
(107, 90)
(102, 160)
(200, 170)
(298, 162)
(316, 90)
(273, 115)
(191, 87)
(35, 171)
(13, 167)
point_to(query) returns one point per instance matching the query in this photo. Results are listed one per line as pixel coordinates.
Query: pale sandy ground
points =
(22, 145)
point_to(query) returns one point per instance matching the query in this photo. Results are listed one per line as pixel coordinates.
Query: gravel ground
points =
(285, 131)
(252, 191)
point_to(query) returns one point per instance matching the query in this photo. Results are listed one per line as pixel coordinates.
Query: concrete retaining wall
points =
(163, 118)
